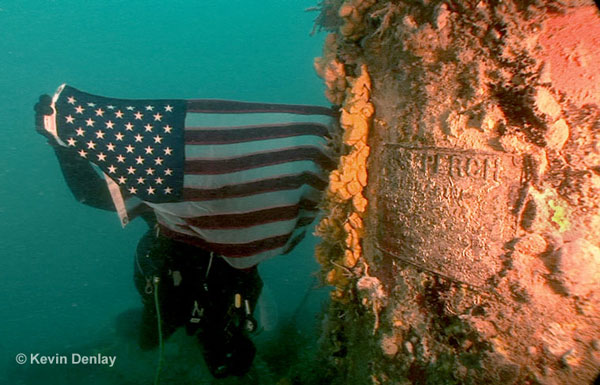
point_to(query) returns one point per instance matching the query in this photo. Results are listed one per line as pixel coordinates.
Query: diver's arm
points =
(85, 183)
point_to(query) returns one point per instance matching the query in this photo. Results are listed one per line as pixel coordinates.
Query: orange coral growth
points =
(355, 119)
(351, 256)
(335, 276)
(332, 71)
(342, 230)
(334, 75)
(356, 222)
(352, 12)
(359, 202)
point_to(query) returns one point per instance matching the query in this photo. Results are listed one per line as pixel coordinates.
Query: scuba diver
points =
(196, 266)
(198, 290)
(202, 293)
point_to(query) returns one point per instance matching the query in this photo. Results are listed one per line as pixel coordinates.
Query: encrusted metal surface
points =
(448, 211)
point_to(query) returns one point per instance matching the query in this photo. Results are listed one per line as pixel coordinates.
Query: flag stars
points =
(94, 124)
(71, 100)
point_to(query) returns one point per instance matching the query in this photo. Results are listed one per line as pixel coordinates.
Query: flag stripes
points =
(255, 172)
(211, 106)
(214, 135)
(252, 218)
(256, 160)
(278, 183)
(247, 176)
(237, 254)
(211, 181)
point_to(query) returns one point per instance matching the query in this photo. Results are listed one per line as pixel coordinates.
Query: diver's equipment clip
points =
(250, 323)
(148, 289)
(197, 313)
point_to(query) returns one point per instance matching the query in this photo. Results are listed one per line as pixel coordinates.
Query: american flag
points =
(237, 178)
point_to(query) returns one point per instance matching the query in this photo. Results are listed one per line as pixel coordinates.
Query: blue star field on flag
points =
(137, 143)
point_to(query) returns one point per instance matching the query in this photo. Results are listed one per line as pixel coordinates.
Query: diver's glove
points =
(43, 108)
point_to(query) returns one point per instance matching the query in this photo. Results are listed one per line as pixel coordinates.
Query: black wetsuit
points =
(196, 289)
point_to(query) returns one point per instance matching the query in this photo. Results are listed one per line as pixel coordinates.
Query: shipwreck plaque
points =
(447, 211)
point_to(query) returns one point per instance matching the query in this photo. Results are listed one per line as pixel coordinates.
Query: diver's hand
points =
(42, 108)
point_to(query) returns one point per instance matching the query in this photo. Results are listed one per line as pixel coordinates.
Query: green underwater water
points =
(65, 268)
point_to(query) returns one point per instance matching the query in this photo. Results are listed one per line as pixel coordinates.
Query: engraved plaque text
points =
(448, 211)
